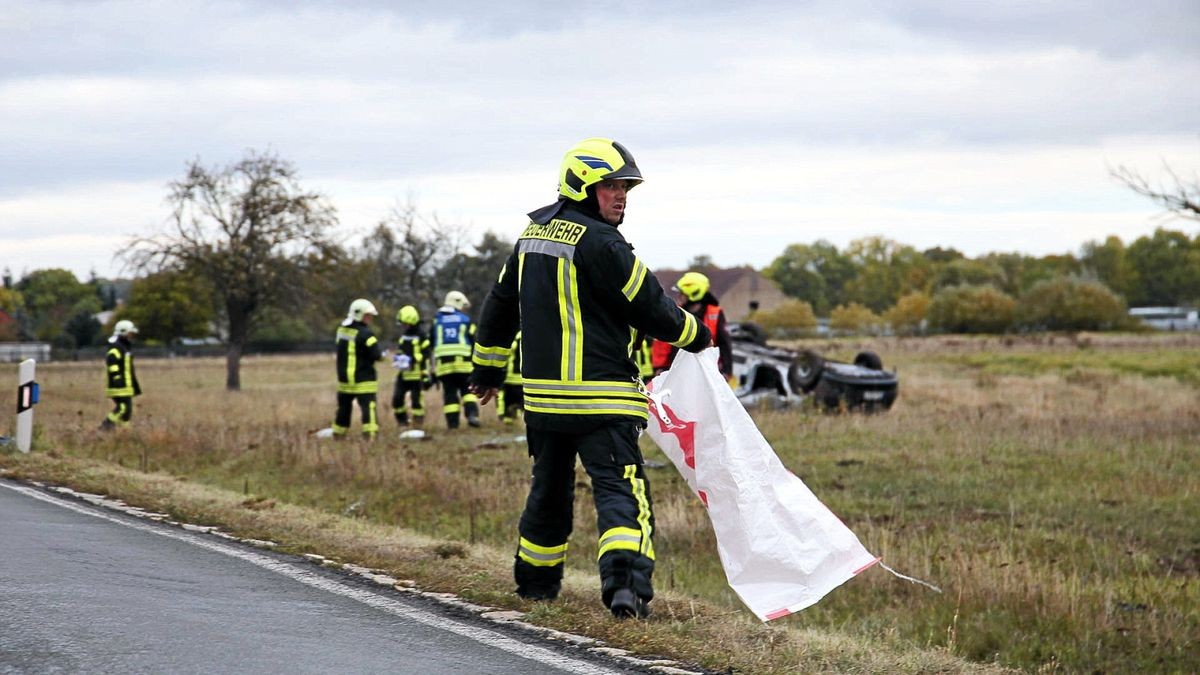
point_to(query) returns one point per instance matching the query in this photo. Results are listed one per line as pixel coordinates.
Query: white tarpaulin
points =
(782, 549)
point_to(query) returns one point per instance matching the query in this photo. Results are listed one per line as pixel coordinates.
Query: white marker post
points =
(27, 395)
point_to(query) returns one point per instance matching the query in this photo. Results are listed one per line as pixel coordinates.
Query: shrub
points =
(972, 309)
(791, 319)
(1068, 303)
(853, 318)
(907, 316)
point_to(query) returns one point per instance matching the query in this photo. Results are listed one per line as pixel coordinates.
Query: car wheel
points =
(868, 360)
(805, 371)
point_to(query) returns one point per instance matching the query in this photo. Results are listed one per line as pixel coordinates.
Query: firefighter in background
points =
(452, 338)
(643, 355)
(574, 288)
(511, 398)
(409, 362)
(357, 351)
(697, 300)
(122, 380)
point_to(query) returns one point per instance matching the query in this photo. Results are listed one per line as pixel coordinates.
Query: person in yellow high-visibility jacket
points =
(357, 351)
(122, 380)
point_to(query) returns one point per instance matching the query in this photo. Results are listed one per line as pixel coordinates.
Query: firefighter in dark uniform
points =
(409, 361)
(122, 380)
(357, 351)
(577, 293)
(696, 299)
(642, 351)
(511, 399)
(452, 337)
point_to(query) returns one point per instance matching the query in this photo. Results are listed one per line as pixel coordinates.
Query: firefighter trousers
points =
(345, 404)
(510, 401)
(121, 414)
(411, 389)
(624, 515)
(456, 399)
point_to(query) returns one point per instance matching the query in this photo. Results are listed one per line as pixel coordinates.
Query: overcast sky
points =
(981, 126)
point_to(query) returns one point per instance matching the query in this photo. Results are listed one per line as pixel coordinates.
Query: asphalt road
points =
(86, 590)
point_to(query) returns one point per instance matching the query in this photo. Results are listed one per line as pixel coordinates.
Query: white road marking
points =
(480, 635)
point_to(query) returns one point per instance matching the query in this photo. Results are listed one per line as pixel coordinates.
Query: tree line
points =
(881, 283)
(248, 254)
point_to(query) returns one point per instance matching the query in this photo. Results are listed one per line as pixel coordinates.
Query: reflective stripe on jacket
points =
(118, 364)
(357, 351)
(576, 291)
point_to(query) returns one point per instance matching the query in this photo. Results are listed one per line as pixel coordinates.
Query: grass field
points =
(1049, 485)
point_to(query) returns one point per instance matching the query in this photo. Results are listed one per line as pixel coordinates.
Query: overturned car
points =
(777, 377)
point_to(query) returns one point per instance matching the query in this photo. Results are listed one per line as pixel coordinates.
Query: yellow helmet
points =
(693, 285)
(591, 161)
(409, 315)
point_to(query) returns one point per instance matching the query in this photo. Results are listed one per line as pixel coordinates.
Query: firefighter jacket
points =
(574, 288)
(452, 338)
(118, 361)
(357, 351)
(411, 350)
(512, 374)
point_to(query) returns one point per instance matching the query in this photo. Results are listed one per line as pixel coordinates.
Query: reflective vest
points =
(357, 351)
(452, 339)
(662, 354)
(643, 357)
(118, 361)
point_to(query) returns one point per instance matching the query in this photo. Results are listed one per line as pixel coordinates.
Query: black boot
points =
(627, 605)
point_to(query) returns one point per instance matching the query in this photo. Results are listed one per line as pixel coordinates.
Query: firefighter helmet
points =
(360, 308)
(591, 161)
(693, 285)
(409, 315)
(457, 300)
(124, 327)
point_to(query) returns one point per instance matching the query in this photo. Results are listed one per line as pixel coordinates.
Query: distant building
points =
(1168, 318)
(741, 290)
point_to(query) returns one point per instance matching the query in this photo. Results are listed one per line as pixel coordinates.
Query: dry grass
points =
(1053, 496)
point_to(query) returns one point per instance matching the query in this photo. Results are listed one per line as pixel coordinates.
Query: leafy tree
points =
(853, 318)
(793, 318)
(52, 297)
(972, 309)
(966, 271)
(908, 315)
(1109, 262)
(887, 269)
(1166, 268)
(246, 229)
(816, 273)
(169, 305)
(1068, 303)
(938, 254)
(12, 310)
(701, 262)
(406, 254)
(83, 329)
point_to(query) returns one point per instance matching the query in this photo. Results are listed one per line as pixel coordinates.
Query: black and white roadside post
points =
(27, 396)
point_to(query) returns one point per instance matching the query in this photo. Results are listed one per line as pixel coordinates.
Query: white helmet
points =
(124, 327)
(457, 300)
(360, 308)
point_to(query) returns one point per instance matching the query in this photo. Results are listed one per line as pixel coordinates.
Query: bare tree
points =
(406, 250)
(1182, 199)
(244, 228)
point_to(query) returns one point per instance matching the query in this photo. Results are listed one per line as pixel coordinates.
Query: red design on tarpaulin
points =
(684, 432)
